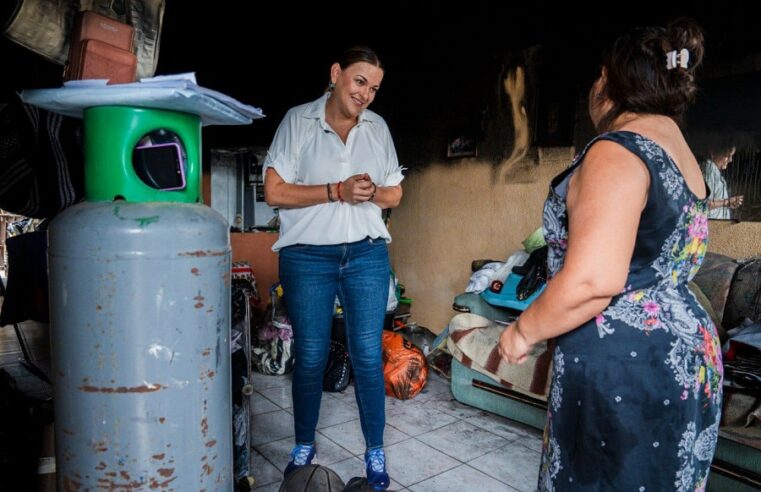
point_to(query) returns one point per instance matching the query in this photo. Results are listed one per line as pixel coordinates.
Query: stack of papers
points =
(178, 92)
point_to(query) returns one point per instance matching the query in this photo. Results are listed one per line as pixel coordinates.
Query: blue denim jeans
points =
(312, 276)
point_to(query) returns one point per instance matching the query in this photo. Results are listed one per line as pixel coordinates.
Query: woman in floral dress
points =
(636, 391)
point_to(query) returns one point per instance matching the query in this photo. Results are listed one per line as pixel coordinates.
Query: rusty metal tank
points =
(140, 323)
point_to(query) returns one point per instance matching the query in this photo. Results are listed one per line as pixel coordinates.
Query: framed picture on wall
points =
(462, 145)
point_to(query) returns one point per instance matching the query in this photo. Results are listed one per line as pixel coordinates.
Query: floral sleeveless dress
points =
(635, 400)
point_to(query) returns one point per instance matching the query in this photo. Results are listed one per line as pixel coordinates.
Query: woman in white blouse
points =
(720, 204)
(332, 169)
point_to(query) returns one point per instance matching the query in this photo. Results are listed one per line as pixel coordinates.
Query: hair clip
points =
(680, 59)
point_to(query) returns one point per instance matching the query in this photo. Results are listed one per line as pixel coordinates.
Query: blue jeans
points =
(312, 276)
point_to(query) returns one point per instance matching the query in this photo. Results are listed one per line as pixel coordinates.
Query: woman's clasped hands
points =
(357, 189)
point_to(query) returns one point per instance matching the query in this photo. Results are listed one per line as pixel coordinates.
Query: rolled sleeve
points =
(393, 174)
(282, 154)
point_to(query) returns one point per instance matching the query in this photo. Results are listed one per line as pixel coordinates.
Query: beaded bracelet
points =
(375, 188)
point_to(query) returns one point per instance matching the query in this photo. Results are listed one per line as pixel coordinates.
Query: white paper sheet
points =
(178, 92)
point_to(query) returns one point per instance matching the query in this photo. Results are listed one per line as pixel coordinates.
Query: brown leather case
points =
(100, 60)
(101, 48)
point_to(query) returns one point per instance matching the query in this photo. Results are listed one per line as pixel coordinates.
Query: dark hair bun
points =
(639, 79)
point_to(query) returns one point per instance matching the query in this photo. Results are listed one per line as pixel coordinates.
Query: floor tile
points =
(412, 461)
(260, 404)
(463, 441)
(333, 412)
(532, 442)
(280, 396)
(417, 419)
(514, 464)
(279, 452)
(268, 427)
(460, 479)
(263, 471)
(263, 381)
(392, 404)
(501, 426)
(349, 468)
(448, 405)
(349, 436)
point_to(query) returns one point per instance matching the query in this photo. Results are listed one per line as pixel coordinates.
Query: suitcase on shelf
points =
(101, 48)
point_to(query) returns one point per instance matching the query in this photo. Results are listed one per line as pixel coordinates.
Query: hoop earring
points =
(331, 86)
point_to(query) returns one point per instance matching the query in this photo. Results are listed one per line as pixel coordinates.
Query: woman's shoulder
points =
(373, 117)
(311, 109)
(300, 110)
(628, 140)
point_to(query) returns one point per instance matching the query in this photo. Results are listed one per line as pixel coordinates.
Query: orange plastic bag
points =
(405, 369)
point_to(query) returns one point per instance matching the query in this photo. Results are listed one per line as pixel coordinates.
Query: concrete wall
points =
(453, 213)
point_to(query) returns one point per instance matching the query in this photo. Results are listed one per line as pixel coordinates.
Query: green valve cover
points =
(142, 155)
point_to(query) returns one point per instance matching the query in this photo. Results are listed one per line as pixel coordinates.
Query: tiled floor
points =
(433, 442)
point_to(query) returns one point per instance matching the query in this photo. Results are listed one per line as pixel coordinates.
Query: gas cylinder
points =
(140, 300)
(139, 279)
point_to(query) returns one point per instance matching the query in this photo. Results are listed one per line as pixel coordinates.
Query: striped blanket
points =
(473, 341)
(41, 160)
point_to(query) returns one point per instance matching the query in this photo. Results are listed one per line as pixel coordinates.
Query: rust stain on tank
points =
(204, 426)
(211, 443)
(146, 388)
(101, 466)
(165, 472)
(158, 456)
(210, 310)
(155, 484)
(210, 374)
(124, 475)
(105, 484)
(206, 352)
(100, 446)
(199, 301)
(99, 308)
(208, 469)
(200, 253)
(110, 474)
(195, 271)
(162, 420)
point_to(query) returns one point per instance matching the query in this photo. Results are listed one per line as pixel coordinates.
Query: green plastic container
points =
(111, 135)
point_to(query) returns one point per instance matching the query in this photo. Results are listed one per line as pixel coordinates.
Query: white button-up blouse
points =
(307, 151)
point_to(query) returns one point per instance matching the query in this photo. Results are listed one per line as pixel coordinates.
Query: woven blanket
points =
(473, 341)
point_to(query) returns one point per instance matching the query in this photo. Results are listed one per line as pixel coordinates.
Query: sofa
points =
(729, 289)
